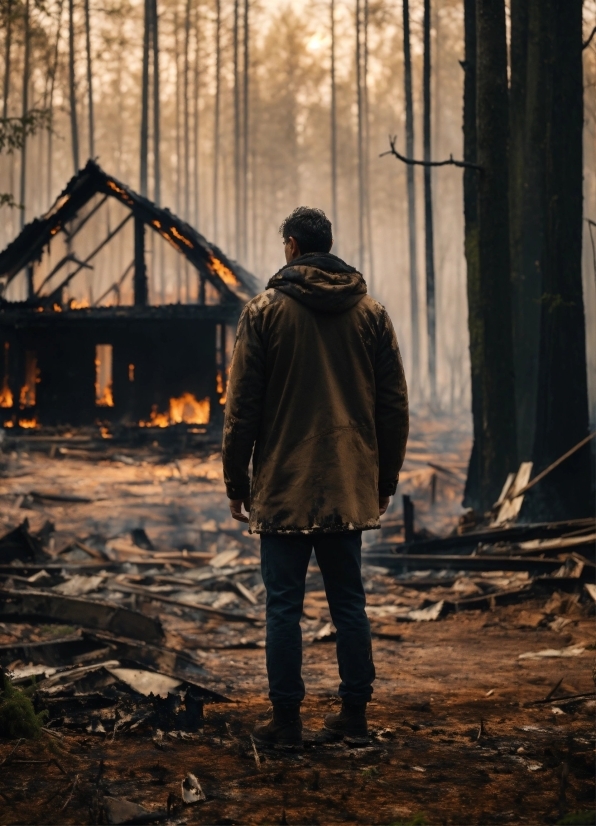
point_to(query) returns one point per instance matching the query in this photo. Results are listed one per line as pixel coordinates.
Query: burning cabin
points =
(84, 340)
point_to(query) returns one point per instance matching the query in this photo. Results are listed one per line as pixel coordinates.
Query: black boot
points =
(284, 730)
(350, 723)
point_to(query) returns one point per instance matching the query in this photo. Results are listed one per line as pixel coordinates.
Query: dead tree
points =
(195, 127)
(186, 111)
(428, 212)
(216, 116)
(366, 114)
(7, 58)
(74, 128)
(411, 184)
(492, 353)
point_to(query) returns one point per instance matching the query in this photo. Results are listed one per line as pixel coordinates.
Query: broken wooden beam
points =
(404, 563)
(19, 606)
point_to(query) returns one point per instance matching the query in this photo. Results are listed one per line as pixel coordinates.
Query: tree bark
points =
(7, 58)
(90, 113)
(472, 497)
(562, 411)
(360, 136)
(74, 129)
(429, 244)
(411, 184)
(195, 130)
(366, 143)
(496, 436)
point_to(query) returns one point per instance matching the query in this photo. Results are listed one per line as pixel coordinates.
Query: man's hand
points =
(383, 504)
(236, 508)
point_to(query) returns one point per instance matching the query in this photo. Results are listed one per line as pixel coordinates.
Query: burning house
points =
(84, 341)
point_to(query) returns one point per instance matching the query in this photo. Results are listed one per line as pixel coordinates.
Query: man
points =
(317, 396)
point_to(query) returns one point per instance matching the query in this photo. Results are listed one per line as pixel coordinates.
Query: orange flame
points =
(185, 409)
(28, 423)
(226, 274)
(106, 399)
(6, 398)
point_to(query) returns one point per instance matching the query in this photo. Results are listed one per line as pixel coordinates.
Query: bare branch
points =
(587, 42)
(7, 199)
(449, 162)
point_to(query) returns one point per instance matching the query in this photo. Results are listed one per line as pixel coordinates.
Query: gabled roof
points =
(231, 280)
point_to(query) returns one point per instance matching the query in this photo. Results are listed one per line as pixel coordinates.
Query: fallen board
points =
(404, 563)
(19, 606)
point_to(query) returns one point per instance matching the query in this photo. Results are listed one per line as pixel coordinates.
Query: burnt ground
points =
(453, 740)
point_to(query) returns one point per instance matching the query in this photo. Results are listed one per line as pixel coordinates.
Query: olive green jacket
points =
(317, 396)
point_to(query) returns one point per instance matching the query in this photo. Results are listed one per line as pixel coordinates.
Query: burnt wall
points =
(170, 355)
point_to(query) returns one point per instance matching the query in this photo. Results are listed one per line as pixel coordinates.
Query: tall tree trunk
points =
(527, 168)
(186, 111)
(178, 146)
(562, 411)
(498, 447)
(216, 117)
(74, 129)
(472, 494)
(156, 107)
(334, 216)
(7, 57)
(54, 70)
(367, 202)
(245, 130)
(144, 150)
(429, 244)
(237, 183)
(89, 81)
(25, 110)
(411, 183)
(360, 136)
(195, 117)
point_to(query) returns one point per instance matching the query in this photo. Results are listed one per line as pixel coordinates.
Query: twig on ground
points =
(256, 753)
(68, 799)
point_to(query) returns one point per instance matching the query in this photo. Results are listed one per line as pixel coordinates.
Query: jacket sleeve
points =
(244, 400)
(391, 407)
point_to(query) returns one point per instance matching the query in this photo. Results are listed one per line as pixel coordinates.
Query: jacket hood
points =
(321, 281)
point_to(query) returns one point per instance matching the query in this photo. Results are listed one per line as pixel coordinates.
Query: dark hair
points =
(310, 227)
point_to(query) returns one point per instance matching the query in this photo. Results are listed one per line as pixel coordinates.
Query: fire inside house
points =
(69, 359)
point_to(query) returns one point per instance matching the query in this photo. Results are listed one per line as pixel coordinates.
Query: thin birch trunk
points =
(89, 80)
(411, 186)
(74, 129)
(7, 57)
(428, 214)
(178, 144)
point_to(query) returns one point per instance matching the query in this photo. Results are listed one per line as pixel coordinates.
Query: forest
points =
(149, 151)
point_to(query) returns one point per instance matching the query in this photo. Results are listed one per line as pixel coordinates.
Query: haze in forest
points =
(245, 136)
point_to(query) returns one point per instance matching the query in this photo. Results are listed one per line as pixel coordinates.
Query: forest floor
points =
(454, 740)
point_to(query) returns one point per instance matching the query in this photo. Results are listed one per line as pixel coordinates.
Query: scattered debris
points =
(571, 651)
(192, 791)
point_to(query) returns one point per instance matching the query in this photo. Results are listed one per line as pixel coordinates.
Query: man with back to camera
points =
(317, 390)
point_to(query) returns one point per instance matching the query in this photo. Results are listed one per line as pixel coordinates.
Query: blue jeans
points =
(284, 563)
